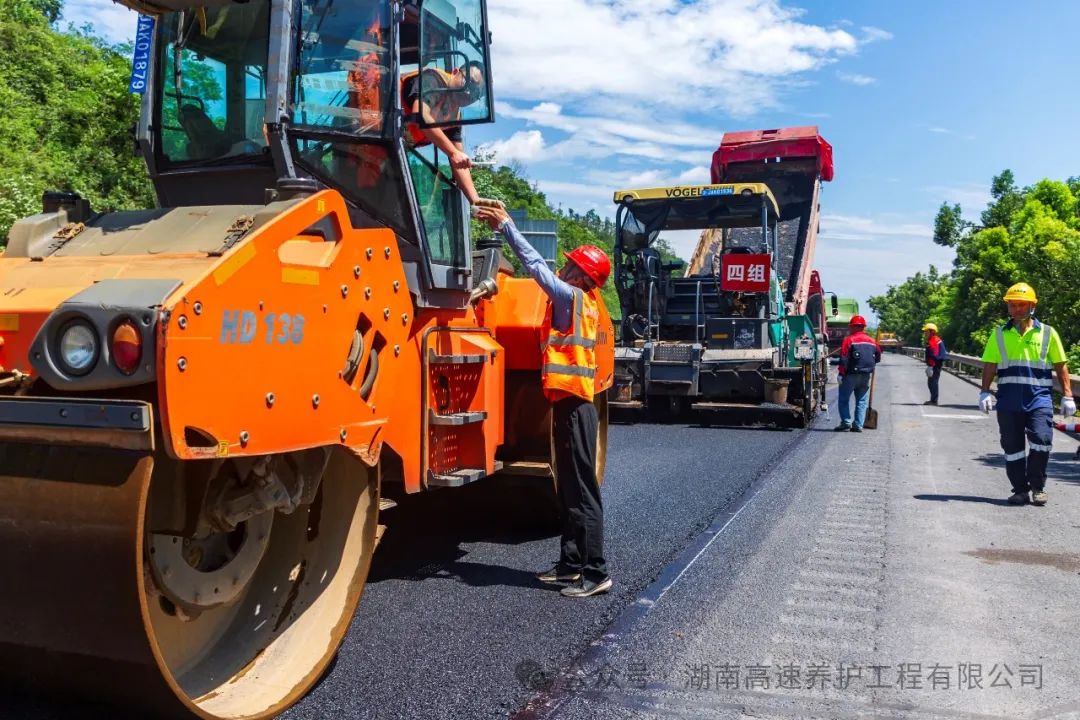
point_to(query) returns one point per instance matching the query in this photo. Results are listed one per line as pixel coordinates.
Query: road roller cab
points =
(198, 402)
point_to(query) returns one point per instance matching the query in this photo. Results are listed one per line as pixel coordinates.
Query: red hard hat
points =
(857, 321)
(593, 261)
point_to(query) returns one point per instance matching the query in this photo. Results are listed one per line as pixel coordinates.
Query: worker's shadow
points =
(744, 420)
(950, 406)
(963, 498)
(484, 575)
(1062, 466)
(426, 533)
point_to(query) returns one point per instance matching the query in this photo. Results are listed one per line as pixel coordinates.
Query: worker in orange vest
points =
(935, 360)
(568, 373)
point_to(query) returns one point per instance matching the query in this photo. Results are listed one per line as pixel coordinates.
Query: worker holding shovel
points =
(859, 355)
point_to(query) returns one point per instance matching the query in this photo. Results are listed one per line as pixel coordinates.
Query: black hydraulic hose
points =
(372, 373)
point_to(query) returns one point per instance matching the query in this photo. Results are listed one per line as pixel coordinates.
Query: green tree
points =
(904, 308)
(67, 116)
(949, 225)
(1007, 199)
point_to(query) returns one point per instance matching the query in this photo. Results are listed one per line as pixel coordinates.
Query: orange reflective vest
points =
(365, 95)
(443, 108)
(365, 80)
(569, 364)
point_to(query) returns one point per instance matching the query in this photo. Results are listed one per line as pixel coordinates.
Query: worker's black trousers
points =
(575, 427)
(933, 382)
(1025, 463)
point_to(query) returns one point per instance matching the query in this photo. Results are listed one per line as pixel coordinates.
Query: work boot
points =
(842, 427)
(856, 428)
(587, 588)
(1038, 497)
(1018, 498)
(559, 573)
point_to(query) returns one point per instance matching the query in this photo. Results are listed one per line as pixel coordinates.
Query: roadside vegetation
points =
(1029, 234)
(66, 123)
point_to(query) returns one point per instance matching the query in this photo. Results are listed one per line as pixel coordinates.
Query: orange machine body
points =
(253, 344)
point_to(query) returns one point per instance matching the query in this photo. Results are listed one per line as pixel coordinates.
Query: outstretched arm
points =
(560, 293)
(458, 159)
(463, 177)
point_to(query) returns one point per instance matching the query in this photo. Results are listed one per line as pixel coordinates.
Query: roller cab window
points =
(212, 81)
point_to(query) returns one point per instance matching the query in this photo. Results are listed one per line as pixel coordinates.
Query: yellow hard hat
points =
(1022, 292)
(929, 326)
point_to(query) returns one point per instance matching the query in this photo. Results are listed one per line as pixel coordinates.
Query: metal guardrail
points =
(970, 368)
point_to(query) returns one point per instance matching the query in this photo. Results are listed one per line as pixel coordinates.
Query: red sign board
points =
(745, 273)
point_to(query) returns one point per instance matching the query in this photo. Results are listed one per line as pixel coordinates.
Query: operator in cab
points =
(437, 97)
(568, 371)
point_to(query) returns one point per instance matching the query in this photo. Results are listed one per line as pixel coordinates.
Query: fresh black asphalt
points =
(453, 624)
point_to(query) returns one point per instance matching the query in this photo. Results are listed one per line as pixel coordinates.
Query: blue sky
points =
(922, 102)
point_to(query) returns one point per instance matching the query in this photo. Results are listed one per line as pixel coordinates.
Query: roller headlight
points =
(78, 347)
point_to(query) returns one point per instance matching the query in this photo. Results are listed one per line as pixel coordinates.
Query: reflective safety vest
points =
(365, 80)
(1025, 379)
(1036, 373)
(365, 95)
(570, 357)
(443, 107)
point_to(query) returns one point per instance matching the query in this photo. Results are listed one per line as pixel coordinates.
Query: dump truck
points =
(843, 309)
(200, 403)
(740, 329)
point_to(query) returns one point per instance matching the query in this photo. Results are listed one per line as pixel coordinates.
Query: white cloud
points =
(867, 229)
(559, 190)
(695, 176)
(113, 22)
(592, 137)
(683, 242)
(953, 133)
(597, 184)
(733, 55)
(971, 196)
(856, 79)
(524, 146)
(873, 34)
(861, 256)
(551, 115)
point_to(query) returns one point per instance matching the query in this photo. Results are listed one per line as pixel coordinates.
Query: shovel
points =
(871, 414)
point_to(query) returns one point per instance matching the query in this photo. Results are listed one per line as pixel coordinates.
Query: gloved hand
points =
(987, 402)
(929, 371)
(489, 203)
(1068, 407)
